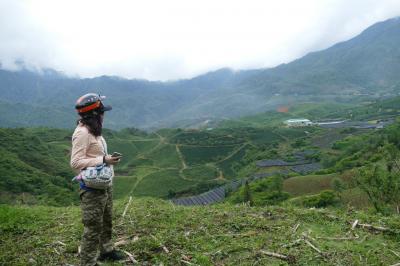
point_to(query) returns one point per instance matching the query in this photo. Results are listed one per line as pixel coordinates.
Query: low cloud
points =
(161, 40)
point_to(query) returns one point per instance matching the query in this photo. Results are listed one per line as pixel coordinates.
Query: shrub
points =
(272, 198)
(324, 199)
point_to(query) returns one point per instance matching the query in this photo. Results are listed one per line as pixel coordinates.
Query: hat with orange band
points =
(91, 102)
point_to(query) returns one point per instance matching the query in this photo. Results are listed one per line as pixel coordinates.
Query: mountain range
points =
(363, 68)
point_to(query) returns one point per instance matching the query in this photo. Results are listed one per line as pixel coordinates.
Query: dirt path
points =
(161, 142)
(162, 139)
(221, 176)
(178, 150)
(184, 166)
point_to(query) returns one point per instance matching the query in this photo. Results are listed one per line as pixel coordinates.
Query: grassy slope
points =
(310, 184)
(213, 235)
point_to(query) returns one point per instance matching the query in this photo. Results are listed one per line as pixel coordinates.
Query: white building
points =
(298, 122)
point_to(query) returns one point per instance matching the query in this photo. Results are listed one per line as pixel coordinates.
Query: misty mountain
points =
(366, 66)
(368, 63)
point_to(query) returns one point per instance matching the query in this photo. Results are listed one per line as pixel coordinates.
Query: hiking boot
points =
(112, 255)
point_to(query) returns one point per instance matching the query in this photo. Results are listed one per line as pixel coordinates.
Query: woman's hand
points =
(108, 159)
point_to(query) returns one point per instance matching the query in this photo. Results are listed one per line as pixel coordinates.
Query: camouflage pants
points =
(96, 208)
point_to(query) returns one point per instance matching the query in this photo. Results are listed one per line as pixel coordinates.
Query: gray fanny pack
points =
(98, 177)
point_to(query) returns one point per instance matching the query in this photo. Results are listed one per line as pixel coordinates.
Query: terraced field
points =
(155, 167)
(201, 173)
(170, 161)
(181, 162)
(159, 183)
(178, 162)
(228, 163)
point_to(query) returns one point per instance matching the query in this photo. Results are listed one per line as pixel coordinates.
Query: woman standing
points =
(90, 149)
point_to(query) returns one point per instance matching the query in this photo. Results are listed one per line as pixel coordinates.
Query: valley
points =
(184, 163)
(289, 164)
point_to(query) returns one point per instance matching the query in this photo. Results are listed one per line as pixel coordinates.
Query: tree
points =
(247, 194)
(276, 183)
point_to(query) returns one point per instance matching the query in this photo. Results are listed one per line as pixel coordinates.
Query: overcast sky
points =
(171, 39)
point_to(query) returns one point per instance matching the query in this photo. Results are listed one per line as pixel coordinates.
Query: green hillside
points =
(34, 166)
(35, 161)
(175, 162)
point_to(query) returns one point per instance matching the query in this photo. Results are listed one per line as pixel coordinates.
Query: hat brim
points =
(105, 108)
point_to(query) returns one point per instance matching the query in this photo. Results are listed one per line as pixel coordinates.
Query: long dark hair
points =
(93, 122)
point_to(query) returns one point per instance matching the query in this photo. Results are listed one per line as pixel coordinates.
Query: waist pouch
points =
(97, 177)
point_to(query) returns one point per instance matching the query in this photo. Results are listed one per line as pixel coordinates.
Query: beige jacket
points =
(87, 150)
